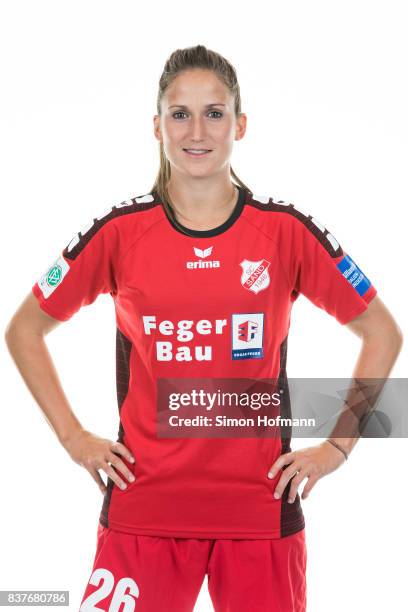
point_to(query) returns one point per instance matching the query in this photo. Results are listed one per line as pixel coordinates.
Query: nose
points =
(197, 129)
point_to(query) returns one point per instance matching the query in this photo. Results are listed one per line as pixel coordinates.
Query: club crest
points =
(255, 275)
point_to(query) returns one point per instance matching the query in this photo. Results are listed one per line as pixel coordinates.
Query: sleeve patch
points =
(53, 276)
(354, 275)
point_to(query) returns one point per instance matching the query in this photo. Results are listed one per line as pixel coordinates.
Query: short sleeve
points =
(326, 274)
(84, 269)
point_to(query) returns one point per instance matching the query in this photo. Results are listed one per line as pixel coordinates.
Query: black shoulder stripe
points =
(326, 239)
(132, 205)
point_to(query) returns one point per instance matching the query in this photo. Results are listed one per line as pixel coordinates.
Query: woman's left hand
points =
(313, 462)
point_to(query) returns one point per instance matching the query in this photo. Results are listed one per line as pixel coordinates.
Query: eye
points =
(183, 113)
(215, 111)
(178, 113)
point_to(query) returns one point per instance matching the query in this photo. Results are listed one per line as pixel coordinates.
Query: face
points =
(198, 113)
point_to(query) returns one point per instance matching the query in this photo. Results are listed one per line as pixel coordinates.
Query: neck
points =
(202, 207)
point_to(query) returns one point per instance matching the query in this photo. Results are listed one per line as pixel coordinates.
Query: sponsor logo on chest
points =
(247, 335)
(177, 342)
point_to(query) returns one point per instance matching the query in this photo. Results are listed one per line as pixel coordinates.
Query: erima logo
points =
(202, 254)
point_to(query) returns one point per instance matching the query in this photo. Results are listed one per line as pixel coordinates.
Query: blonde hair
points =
(184, 59)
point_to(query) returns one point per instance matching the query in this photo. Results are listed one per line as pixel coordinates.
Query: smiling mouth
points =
(197, 152)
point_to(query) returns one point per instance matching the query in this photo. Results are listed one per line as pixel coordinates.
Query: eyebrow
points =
(206, 106)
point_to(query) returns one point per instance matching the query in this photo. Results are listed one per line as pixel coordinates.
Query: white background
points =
(324, 88)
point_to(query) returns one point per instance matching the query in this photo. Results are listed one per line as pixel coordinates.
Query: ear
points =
(240, 126)
(156, 128)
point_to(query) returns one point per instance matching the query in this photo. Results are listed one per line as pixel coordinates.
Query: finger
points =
(114, 476)
(309, 486)
(285, 459)
(118, 447)
(284, 479)
(294, 486)
(97, 478)
(119, 465)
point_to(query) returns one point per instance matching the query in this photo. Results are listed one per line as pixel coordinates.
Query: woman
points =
(203, 274)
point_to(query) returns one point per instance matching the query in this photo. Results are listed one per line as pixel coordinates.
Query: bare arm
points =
(382, 340)
(381, 343)
(25, 338)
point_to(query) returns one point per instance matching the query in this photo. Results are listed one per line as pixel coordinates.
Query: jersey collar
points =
(243, 194)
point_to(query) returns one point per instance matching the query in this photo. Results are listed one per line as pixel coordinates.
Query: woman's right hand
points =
(94, 453)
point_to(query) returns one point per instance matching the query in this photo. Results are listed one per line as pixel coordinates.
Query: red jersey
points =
(207, 305)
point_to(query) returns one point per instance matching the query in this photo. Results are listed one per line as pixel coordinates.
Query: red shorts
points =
(157, 574)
